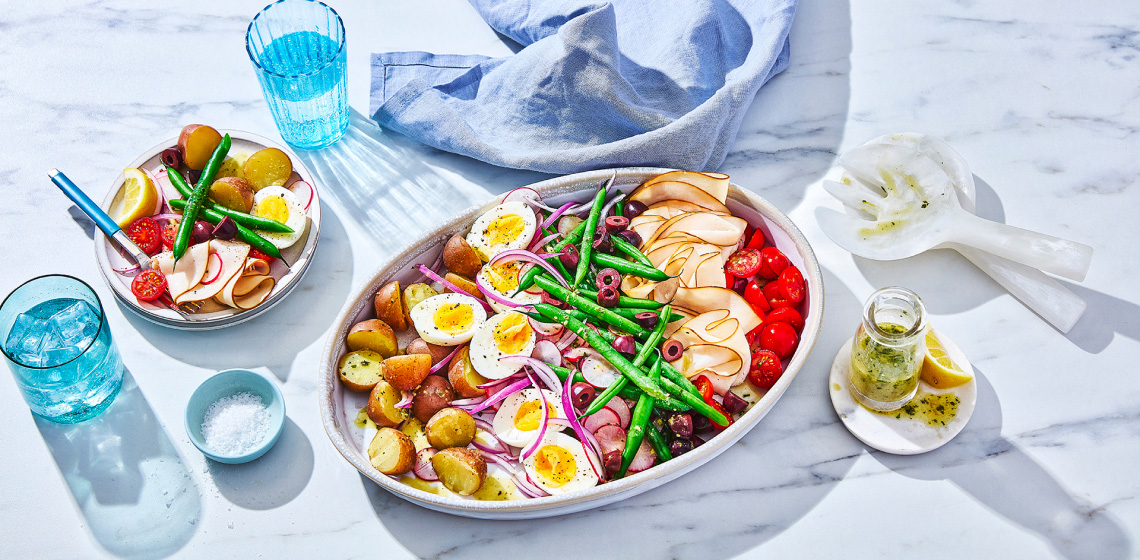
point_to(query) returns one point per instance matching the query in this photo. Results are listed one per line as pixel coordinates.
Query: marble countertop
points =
(1040, 98)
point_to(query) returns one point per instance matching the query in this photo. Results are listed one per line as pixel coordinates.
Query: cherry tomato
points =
(754, 295)
(721, 410)
(704, 387)
(772, 263)
(792, 284)
(255, 254)
(766, 369)
(787, 315)
(756, 241)
(169, 232)
(775, 295)
(753, 338)
(148, 285)
(743, 263)
(780, 338)
(729, 280)
(760, 311)
(145, 233)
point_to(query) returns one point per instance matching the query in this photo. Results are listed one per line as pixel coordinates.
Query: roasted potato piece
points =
(392, 452)
(407, 372)
(414, 294)
(450, 427)
(434, 394)
(390, 307)
(197, 143)
(437, 352)
(414, 429)
(460, 469)
(361, 370)
(463, 283)
(460, 258)
(374, 335)
(382, 403)
(463, 377)
(232, 192)
(269, 166)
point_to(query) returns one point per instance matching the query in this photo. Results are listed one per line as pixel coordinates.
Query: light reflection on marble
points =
(1040, 98)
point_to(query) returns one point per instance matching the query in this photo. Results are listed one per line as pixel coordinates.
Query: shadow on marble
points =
(272, 480)
(1000, 475)
(271, 340)
(791, 134)
(776, 474)
(1105, 317)
(127, 478)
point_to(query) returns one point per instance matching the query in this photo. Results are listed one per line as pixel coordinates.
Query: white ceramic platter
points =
(339, 407)
(299, 255)
(900, 436)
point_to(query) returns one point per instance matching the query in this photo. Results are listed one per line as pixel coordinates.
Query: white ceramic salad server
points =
(1038, 291)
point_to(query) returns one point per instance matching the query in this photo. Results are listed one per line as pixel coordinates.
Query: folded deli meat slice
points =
(219, 271)
(714, 184)
(719, 329)
(187, 272)
(248, 289)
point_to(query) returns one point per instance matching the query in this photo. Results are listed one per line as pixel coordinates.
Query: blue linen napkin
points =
(660, 83)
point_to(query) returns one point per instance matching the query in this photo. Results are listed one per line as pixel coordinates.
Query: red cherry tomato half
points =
(775, 295)
(255, 254)
(787, 315)
(148, 285)
(780, 338)
(756, 241)
(792, 284)
(145, 233)
(754, 295)
(704, 387)
(169, 232)
(773, 262)
(721, 410)
(760, 311)
(766, 369)
(743, 263)
(753, 338)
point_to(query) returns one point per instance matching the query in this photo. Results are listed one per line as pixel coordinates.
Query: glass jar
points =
(889, 346)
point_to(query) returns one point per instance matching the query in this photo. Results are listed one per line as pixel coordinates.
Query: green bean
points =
(623, 301)
(642, 355)
(596, 311)
(587, 246)
(194, 202)
(678, 379)
(638, 423)
(243, 233)
(243, 218)
(630, 251)
(565, 375)
(614, 357)
(628, 267)
(619, 209)
(692, 400)
(658, 442)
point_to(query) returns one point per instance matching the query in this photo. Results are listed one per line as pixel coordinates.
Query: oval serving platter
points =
(339, 407)
(300, 254)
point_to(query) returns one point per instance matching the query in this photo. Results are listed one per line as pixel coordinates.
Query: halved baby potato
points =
(460, 258)
(197, 143)
(460, 469)
(463, 283)
(434, 394)
(392, 452)
(437, 352)
(408, 371)
(389, 306)
(382, 403)
(360, 370)
(463, 376)
(374, 335)
(266, 167)
(234, 193)
(450, 427)
(415, 293)
(414, 429)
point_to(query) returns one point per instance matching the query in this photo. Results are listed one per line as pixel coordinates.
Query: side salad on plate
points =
(552, 349)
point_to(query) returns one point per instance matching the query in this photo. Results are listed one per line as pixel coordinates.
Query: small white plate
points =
(900, 436)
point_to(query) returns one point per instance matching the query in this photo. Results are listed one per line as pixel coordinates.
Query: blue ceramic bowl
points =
(225, 384)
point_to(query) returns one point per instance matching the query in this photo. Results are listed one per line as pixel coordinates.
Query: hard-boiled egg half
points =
(505, 334)
(281, 205)
(503, 279)
(560, 465)
(448, 319)
(518, 420)
(509, 225)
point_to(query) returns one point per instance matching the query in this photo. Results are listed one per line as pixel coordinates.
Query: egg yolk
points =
(504, 229)
(273, 207)
(529, 415)
(555, 464)
(453, 318)
(504, 278)
(512, 333)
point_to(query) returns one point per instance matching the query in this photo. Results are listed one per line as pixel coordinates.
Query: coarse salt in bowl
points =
(235, 416)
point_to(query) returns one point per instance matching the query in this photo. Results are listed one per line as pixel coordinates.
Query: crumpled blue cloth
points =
(625, 83)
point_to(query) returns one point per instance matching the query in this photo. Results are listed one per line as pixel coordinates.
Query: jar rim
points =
(897, 293)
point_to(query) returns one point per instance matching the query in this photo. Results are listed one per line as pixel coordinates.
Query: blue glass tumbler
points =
(57, 343)
(299, 53)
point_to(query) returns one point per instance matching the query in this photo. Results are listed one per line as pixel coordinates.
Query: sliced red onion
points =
(542, 370)
(560, 423)
(500, 446)
(431, 274)
(167, 216)
(609, 205)
(542, 242)
(644, 458)
(158, 187)
(492, 295)
(523, 255)
(424, 469)
(496, 382)
(129, 272)
(510, 390)
(546, 351)
(443, 363)
(566, 340)
(588, 442)
(533, 445)
(221, 265)
(557, 214)
(518, 476)
(467, 402)
(406, 400)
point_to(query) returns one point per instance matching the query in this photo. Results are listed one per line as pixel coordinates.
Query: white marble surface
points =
(1040, 97)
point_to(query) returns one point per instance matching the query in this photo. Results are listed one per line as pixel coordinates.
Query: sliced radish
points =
(424, 469)
(621, 409)
(610, 438)
(644, 458)
(312, 192)
(547, 352)
(523, 194)
(547, 329)
(598, 372)
(209, 264)
(601, 418)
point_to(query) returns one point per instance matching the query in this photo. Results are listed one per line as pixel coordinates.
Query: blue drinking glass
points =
(298, 51)
(57, 343)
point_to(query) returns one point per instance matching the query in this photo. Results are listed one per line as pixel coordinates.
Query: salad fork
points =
(97, 215)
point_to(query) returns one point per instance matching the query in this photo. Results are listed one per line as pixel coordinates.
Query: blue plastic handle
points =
(88, 206)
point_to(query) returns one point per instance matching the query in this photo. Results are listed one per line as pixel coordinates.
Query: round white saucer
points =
(900, 436)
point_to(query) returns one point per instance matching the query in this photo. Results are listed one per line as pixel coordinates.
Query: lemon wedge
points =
(938, 369)
(135, 199)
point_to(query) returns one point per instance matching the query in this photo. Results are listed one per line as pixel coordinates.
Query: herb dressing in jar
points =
(888, 349)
